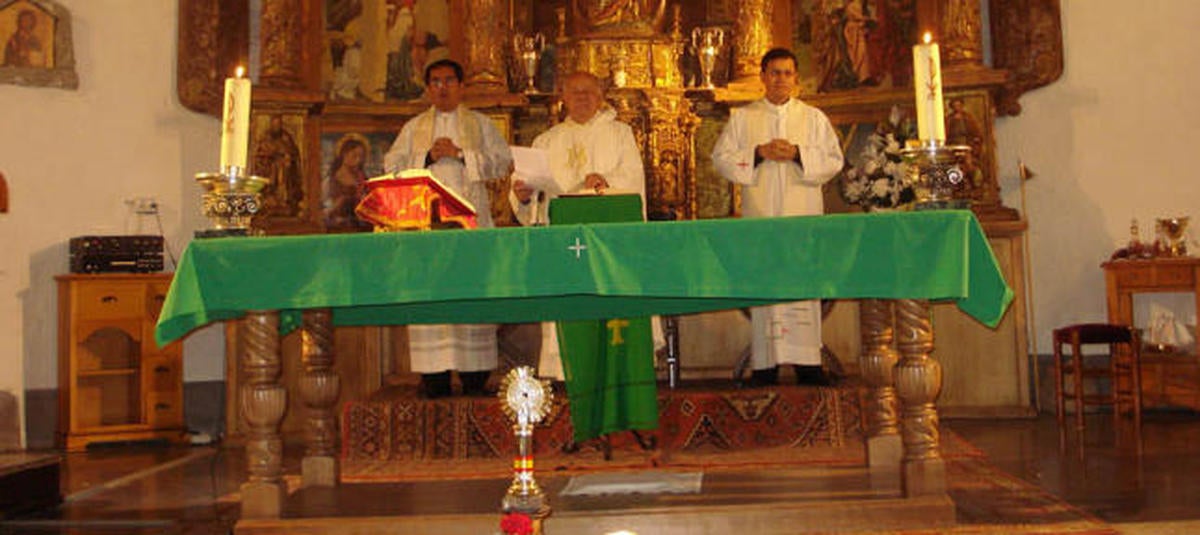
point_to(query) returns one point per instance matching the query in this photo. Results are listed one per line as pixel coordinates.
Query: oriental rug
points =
(406, 438)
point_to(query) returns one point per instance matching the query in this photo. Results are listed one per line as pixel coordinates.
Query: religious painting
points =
(37, 44)
(377, 50)
(29, 36)
(348, 160)
(278, 155)
(851, 44)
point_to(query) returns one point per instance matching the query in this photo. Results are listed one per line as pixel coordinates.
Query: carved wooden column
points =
(877, 364)
(213, 42)
(751, 39)
(918, 382)
(961, 34)
(487, 35)
(263, 400)
(319, 388)
(281, 48)
(1026, 42)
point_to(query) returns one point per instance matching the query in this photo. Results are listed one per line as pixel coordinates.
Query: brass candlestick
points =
(231, 199)
(935, 170)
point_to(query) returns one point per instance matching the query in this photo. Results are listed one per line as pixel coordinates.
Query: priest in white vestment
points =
(589, 151)
(463, 149)
(781, 150)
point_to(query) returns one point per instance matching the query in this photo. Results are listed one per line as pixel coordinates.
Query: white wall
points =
(1115, 138)
(72, 158)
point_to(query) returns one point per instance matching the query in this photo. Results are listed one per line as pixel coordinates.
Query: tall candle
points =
(235, 121)
(927, 79)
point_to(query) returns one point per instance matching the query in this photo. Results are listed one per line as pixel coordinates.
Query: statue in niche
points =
(621, 17)
(962, 128)
(277, 157)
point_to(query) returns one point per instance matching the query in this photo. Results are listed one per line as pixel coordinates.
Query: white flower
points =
(881, 187)
(876, 176)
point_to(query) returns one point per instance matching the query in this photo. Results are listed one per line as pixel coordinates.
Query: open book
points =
(413, 199)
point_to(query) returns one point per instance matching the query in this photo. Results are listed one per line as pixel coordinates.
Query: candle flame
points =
(928, 37)
(241, 71)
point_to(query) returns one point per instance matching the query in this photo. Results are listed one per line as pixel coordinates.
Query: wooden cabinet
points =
(114, 382)
(1168, 379)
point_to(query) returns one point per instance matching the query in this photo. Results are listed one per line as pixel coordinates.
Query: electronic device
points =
(116, 254)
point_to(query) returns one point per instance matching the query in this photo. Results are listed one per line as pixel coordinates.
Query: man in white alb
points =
(781, 150)
(591, 150)
(464, 150)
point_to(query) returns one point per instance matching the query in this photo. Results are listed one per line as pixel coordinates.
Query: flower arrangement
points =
(878, 177)
(516, 524)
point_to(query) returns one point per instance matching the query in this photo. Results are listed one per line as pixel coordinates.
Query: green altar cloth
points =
(588, 271)
(608, 364)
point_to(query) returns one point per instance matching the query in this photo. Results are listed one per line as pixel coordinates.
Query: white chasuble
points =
(603, 145)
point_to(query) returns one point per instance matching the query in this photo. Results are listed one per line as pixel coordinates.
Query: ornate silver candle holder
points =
(937, 175)
(526, 400)
(230, 201)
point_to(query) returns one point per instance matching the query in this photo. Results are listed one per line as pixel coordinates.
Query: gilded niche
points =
(620, 17)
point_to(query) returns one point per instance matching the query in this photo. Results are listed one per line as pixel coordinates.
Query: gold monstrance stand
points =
(526, 400)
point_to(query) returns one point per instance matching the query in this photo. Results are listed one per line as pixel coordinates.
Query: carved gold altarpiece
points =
(339, 74)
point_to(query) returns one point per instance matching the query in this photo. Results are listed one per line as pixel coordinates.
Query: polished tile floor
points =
(157, 490)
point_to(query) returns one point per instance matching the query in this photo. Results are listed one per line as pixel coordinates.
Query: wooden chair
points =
(1122, 370)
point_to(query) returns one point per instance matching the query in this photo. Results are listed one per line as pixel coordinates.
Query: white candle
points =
(235, 121)
(927, 79)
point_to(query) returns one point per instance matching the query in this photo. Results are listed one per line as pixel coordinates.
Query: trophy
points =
(936, 173)
(706, 44)
(1171, 235)
(526, 400)
(529, 49)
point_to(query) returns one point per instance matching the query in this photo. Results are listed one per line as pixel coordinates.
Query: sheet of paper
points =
(532, 166)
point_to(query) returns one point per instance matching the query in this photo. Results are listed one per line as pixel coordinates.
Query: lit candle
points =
(235, 121)
(927, 78)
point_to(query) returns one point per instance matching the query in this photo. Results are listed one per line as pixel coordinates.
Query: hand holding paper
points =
(532, 167)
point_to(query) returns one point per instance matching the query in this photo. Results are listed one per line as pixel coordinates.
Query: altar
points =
(896, 263)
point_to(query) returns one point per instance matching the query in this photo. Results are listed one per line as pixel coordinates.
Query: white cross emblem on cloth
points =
(578, 247)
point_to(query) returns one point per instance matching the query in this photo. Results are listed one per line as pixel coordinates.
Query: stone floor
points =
(139, 489)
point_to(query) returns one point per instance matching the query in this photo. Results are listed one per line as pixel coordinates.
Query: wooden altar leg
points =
(263, 400)
(918, 382)
(319, 388)
(877, 362)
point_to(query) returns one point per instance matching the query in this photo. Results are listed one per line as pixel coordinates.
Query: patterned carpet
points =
(407, 438)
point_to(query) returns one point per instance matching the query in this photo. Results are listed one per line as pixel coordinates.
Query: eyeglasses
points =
(442, 82)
